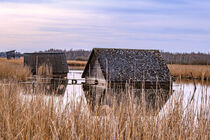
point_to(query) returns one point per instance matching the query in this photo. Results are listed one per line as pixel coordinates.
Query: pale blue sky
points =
(174, 26)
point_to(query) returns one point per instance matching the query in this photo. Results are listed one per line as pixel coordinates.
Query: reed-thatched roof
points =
(130, 64)
(56, 60)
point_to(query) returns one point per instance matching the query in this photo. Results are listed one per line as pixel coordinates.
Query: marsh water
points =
(181, 90)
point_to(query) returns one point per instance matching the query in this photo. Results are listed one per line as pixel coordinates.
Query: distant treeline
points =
(186, 58)
(170, 58)
(71, 54)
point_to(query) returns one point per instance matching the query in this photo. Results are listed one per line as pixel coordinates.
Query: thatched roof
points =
(56, 60)
(130, 64)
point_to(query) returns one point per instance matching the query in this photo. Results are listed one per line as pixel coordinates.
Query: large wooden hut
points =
(53, 67)
(127, 65)
(140, 68)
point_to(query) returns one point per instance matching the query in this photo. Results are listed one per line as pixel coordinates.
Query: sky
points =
(166, 25)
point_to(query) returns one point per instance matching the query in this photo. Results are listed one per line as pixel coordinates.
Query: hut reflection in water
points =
(49, 72)
(151, 98)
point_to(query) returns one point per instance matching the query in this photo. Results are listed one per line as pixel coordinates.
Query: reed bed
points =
(13, 61)
(13, 69)
(181, 71)
(76, 65)
(36, 118)
(184, 71)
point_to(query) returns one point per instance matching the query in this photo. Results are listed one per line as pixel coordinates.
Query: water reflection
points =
(75, 93)
(198, 101)
(186, 92)
(183, 89)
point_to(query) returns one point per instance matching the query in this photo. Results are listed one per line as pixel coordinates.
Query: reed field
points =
(180, 71)
(184, 71)
(13, 61)
(76, 65)
(37, 118)
(13, 69)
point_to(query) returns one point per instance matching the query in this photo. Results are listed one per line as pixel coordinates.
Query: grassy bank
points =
(36, 118)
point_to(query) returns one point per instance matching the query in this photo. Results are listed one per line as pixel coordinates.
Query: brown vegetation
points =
(45, 70)
(35, 117)
(13, 61)
(38, 118)
(181, 71)
(184, 71)
(76, 65)
(13, 69)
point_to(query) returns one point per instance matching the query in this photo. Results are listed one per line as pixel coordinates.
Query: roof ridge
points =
(46, 53)
(125, 49)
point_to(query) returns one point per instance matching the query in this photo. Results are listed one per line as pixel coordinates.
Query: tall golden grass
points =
(76, 65)
(45, 70)
(198, 71)
(182, 71)
(13, 69)
(13, 61)
(36, 118)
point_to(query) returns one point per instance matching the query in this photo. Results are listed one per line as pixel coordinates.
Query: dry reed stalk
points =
(76, 65)
(13, 69)
(14, 61)
(45, 70)
(38, 118)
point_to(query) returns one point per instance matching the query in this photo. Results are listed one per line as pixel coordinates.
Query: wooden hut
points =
(54, 63)
(11, 54)
(127, 65)
(56, 60)
(141, 68)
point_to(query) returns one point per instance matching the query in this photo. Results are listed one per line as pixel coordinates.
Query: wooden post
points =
(36, 65)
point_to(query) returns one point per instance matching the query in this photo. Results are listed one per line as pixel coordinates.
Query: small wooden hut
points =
(54, 63)
(11, 54)
(143, 69)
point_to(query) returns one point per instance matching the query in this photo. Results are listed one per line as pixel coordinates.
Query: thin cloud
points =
(164, 25)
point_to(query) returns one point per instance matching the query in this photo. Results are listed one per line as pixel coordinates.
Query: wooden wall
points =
(57, 61)
(95, 73)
